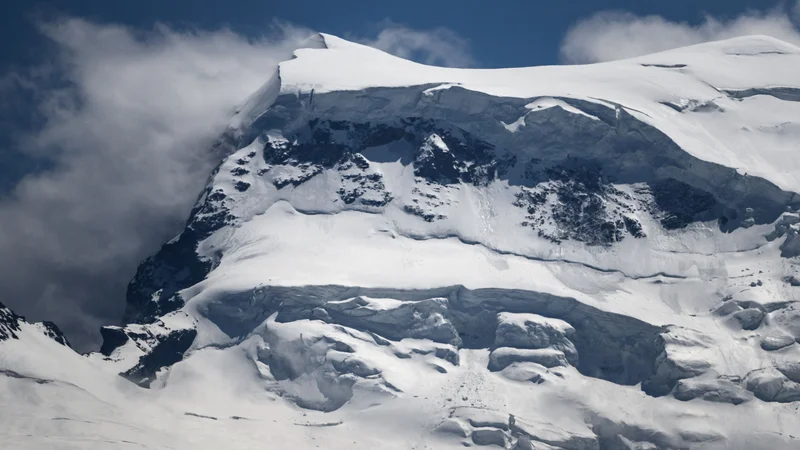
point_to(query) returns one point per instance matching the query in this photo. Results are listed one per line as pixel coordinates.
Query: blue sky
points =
(108, 108)
(500, 33)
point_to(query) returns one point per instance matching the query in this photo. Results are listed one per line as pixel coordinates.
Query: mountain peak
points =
(401, 256)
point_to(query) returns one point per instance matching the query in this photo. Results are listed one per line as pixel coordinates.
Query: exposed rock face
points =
(9, 323)
(140, 351)
(113, 338)
(11, 327)
(153, 291)
(168, 350)
(52, 331)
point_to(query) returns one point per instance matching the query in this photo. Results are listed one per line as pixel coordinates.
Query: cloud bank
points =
(125, 121)
(610, 35)
(128, 117)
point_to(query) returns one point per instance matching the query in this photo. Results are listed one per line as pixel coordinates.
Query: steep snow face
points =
(400, 256)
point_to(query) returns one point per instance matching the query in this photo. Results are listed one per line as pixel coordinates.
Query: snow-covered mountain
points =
(395, 255)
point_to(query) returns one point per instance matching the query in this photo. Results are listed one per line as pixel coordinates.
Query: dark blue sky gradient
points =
(501, 33)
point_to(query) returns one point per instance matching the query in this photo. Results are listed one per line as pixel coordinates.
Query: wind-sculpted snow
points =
(392, 255)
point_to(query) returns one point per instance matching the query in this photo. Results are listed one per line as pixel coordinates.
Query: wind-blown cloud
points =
(439, 46)
(125, 119)
(610, 35)
(127, 128)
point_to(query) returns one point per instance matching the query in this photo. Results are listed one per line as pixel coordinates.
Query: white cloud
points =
(128, 125)
(439, 46)
(610, 36)
(128, 120)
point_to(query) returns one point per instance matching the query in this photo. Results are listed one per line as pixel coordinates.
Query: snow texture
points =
(398, 256)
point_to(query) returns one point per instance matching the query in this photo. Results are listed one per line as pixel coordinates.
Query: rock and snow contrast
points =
(399, 256)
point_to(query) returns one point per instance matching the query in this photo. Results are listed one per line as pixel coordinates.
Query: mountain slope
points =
(401, 256)
(750, 79)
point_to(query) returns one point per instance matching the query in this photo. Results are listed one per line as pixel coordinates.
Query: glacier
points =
(393, 255)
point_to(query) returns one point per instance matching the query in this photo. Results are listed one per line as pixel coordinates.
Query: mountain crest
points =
(13, 326)
(573, 257)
